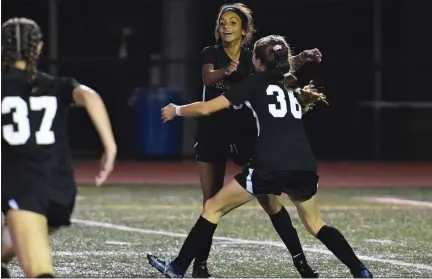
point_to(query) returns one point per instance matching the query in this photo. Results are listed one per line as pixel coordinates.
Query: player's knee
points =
(271, 207)
(206, 196)
(313, 225)
(212, 211)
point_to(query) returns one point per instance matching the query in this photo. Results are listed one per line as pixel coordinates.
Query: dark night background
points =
(88, 45)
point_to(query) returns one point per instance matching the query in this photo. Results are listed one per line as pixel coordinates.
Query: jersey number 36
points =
(280, 112)
(20, 133)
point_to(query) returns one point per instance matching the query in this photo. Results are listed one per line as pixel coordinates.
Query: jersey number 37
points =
(280, 112)
(20, 133)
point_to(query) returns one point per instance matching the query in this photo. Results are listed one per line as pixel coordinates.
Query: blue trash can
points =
(155, 138)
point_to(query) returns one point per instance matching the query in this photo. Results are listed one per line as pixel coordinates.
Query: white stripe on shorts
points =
(249, 186)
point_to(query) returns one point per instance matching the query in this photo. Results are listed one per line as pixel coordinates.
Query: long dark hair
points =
(275, 54)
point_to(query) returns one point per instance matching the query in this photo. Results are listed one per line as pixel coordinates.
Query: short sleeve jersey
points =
(29, 117)
(216, 55)
(282, 143)
(216, 126)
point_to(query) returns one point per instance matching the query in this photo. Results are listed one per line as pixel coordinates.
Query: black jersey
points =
(29, 114)
(217, 56)
(63, 185)
(282, 143)
(63, 86)
(217, 127)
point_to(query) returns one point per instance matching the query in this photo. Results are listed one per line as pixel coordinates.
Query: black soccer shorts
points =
(59, 214)
(299, 185)
(25, 187)
(31, 192)
(216, 153)
(212, 152)
(241, 152)
(62, 200)
(29, 203)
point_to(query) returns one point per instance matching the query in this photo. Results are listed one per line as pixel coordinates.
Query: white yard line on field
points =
(398, 201)
(238, 240)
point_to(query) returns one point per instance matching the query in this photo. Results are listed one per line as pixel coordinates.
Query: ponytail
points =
(283, 66)
(275, 55)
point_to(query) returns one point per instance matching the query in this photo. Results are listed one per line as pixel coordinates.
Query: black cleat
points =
(305, 270)
(4, 271)
(200, 270)
(164, 266)
(362, 272)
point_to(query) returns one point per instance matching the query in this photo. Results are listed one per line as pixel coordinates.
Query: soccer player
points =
(231, 133)
(38, 187)
(282, 161)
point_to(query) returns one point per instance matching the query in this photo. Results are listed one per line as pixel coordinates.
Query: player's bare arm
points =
(211, 76)
(88, 98)
(195, 109)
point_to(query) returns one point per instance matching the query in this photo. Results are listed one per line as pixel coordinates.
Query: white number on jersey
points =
(280, 98)
(20, 117)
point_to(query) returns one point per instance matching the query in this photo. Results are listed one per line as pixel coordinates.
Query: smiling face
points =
(230, 27)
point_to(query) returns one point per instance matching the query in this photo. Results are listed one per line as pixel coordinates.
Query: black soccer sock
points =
(283, 225)
(203, 253)
(45, 275)
(336, 242)
(200, 234)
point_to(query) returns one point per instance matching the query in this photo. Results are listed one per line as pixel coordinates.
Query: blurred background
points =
(373, 142)
(141, 54)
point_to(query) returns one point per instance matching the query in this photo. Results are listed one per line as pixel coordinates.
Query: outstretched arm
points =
(195, 109)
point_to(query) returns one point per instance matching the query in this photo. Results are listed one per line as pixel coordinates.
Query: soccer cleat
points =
(305, 270)
(362, 272)
(200, 270)
(4, 271)
(164, 266)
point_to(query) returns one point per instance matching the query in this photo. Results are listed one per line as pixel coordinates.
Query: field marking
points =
(231, 243)
(244, 241)
(94, 253)
(113, 242)
(381, 241)
(398, 201)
